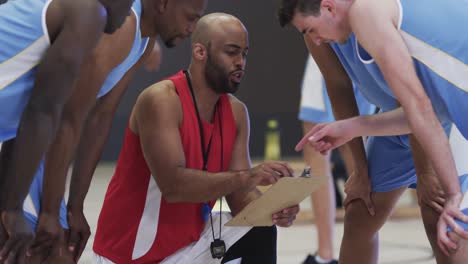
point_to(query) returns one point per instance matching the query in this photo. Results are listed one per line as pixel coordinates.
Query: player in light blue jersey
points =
(408, 52)
(104, 75)
(42, 46)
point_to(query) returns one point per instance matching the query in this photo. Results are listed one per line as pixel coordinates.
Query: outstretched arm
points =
(328, 136)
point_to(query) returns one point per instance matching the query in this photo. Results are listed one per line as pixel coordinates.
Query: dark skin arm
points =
(240, 160)
(341, 93)
(156, 120)
(93, 139)
(76, 37)
(94, 72)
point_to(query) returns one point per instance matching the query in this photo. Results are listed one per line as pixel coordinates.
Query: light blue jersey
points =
(32, 202)
(23, 42)
(433, 33)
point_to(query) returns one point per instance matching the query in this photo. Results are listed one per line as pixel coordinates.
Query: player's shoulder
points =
(362, 9)
(159, 92)
(239, 109)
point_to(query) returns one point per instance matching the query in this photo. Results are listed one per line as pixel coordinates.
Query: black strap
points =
(206, 153)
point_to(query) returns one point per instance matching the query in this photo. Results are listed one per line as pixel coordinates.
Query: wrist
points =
(11, 205)
(357, 126)
(244, 177)
(75, 205)
(454, 196)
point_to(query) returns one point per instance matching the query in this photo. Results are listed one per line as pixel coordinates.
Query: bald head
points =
(215, 26)
(220, 44)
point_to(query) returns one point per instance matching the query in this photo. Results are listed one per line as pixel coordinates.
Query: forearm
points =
(385, 124)
(34, 134)
(353, 152)
(89, 151)
(194, 186)
(240, 199)
(53, 85)
(58, 160)
(432, 138)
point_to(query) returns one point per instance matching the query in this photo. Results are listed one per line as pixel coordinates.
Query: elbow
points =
(171, 191)
(171, 195)
(172, 198)
(418, 104)
(44, 110)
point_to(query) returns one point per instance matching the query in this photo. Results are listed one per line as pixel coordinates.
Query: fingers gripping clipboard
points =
(288, 191)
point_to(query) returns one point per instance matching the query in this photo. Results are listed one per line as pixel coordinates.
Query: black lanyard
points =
(205, 152)
(218, 248)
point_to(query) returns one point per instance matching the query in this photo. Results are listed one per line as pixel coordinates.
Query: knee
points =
(358, 222)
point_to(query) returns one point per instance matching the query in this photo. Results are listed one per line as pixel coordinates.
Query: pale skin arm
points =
(375, 27)
(327, 136)
(374, 31)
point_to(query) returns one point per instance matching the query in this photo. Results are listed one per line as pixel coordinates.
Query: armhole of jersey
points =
(400, 18)
(400, 21)
(44, 21)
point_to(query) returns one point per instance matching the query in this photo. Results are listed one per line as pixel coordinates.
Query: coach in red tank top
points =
(185, 147)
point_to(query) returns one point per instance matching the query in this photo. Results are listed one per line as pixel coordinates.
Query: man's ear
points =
(199, 51)
(329, 5)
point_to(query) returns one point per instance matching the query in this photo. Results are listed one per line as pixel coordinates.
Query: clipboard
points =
(286, 192)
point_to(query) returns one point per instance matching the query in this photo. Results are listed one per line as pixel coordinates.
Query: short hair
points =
(288, 8)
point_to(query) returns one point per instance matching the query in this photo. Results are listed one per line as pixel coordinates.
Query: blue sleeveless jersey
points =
(433, 33)
(33, 201)
(138, 48)
(23, 42)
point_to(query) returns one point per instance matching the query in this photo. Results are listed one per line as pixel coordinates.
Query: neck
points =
(205, 96)
(147, 28)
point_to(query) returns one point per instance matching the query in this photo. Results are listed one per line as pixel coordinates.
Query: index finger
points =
(305, 139)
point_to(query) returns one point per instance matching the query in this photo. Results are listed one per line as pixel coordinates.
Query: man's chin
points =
(234, 87)
(169, 44)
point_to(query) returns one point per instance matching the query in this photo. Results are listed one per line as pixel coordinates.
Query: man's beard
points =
(218, 78)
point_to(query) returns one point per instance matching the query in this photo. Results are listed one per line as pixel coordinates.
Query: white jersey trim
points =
(148, 227)
(400, 21)
(15, 67)
(441, 63)
(44, 21)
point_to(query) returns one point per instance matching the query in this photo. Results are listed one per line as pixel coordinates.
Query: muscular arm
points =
(341, 93)
(157, 116)
(53, 85)
(93, 75)
(94, 136)
(375, 30)
(241, 158)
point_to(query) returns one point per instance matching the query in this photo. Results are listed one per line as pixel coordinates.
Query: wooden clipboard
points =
(288, 191)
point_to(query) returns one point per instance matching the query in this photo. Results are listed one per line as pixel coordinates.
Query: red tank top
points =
(136, 224)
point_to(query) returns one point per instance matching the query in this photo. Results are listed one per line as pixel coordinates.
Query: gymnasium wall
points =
(270, 88)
